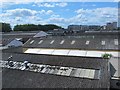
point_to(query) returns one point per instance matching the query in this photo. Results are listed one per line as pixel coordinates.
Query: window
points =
(52, 42)
(103, 43)
(40, 41)
(62, 42)
(73, 42)
(32, 42)
(87, 42)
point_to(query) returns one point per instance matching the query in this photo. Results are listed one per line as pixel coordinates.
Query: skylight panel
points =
(77, 53)
(46, 51)
(73, 42)
(51, 71)
(68, 72)
(64, 73)
(43, 70)
(94, 53)
(52, 42)
(62, 42)
(77, 72)
(60, 52)
(87, 42)
(57, 70)
(103, 42)
(40, 41)
(86, 74)
(116, 41)
(82, 73)
(91, 74)
(70, 52)
(32, 51)
(47, 71)
(32, 42)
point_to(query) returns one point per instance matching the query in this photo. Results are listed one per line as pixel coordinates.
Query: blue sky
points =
(59, 13)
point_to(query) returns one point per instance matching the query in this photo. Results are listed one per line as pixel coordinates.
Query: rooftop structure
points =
(41, 34)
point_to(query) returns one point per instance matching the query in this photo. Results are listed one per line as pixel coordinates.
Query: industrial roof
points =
(26, 79)
(75, 42)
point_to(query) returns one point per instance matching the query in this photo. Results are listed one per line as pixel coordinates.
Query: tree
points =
(32, 27)
(107, 55)
(51, 26)
(5, 27)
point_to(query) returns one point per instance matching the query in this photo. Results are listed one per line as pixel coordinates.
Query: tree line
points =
(32, 27)
(5, 27)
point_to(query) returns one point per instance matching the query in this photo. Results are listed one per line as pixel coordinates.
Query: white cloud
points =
(45, 5)
(49, 12)
(24, 16)
(79, 11)
(55, 16)
(19, 12)
(25, 13)
(60, 4)
(29, 1)
(63, 4)
(45, 12)
(57, 20)
(96, 16)
(116, 0)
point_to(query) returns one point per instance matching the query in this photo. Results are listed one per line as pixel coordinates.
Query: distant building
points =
(74, 27)
(56, 32)
(108, 26)
(94, 27)
(111, 26)
(78, 27)
(104, 27)
(115, 25)
(84, 27)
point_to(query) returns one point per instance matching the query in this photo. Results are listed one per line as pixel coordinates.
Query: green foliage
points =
(5, 27)
(107, 55)
(32, 27)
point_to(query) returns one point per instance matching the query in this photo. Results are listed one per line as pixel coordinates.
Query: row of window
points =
(73, 42)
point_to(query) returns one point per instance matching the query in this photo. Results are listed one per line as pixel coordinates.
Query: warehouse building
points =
(61, 62)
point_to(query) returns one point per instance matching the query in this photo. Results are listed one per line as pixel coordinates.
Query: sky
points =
(59, 13)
